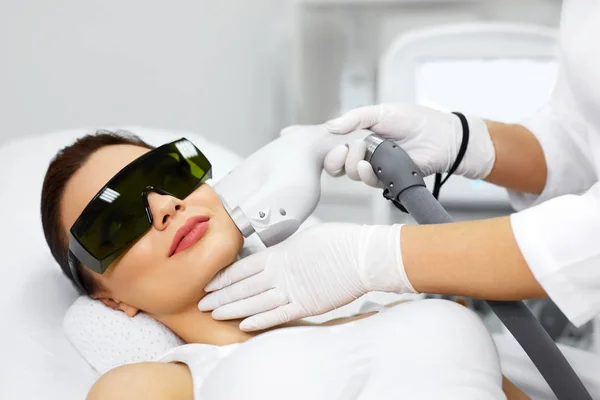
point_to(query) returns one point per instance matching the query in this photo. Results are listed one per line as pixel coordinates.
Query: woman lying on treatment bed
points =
(137, 228)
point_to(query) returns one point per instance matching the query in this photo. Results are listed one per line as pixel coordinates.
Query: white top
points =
(430, 349)
(560, 239)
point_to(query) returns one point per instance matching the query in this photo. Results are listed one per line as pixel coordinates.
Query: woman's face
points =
(145, 277)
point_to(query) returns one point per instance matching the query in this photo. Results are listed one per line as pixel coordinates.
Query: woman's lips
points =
(189, 233)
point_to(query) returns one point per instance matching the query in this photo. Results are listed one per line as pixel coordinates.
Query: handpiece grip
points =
(393, 166)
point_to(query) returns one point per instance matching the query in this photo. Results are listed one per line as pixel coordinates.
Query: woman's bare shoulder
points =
(148, 381)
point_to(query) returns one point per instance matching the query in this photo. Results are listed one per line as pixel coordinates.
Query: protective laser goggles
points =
(119, 214)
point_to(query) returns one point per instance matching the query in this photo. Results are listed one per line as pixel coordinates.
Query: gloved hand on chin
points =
(317, 270)
(431, 138)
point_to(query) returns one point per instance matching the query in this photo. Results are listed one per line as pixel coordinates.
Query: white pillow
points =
(37, 359)
(107, 338)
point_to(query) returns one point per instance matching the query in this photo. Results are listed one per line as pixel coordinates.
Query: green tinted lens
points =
(181, 170)
(117, 216)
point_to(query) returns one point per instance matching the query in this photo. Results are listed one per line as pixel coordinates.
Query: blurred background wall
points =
(336, 33)
(215, 67)
(236, 71)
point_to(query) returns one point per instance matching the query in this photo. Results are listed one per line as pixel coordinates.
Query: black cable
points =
(459, 157)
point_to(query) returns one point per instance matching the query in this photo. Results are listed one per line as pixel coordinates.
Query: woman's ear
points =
(117, 305)
(129, 310)
(110, 303)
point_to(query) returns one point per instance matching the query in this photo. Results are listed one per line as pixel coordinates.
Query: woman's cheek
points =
(228, 249)
(164, 291)
(136, 270)
(141, 257)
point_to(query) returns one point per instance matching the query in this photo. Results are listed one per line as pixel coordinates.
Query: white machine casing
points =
(268, 194)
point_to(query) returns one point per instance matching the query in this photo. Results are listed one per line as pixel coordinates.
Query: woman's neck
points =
(195, 326)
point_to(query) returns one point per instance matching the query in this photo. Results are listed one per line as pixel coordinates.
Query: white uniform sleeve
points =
(560, 240)
(563, 136)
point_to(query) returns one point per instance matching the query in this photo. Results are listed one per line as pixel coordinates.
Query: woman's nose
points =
(163, 208)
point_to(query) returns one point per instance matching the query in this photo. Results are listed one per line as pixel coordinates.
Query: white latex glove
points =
(432, 138)
(317, 270)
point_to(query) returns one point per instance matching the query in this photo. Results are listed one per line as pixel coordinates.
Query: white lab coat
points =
(559, 231)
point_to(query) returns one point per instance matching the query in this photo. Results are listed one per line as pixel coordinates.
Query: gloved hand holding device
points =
(320, 269)
(340, 262)
(431, 138)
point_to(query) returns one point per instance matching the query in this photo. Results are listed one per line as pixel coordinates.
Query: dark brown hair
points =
(62, 167)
